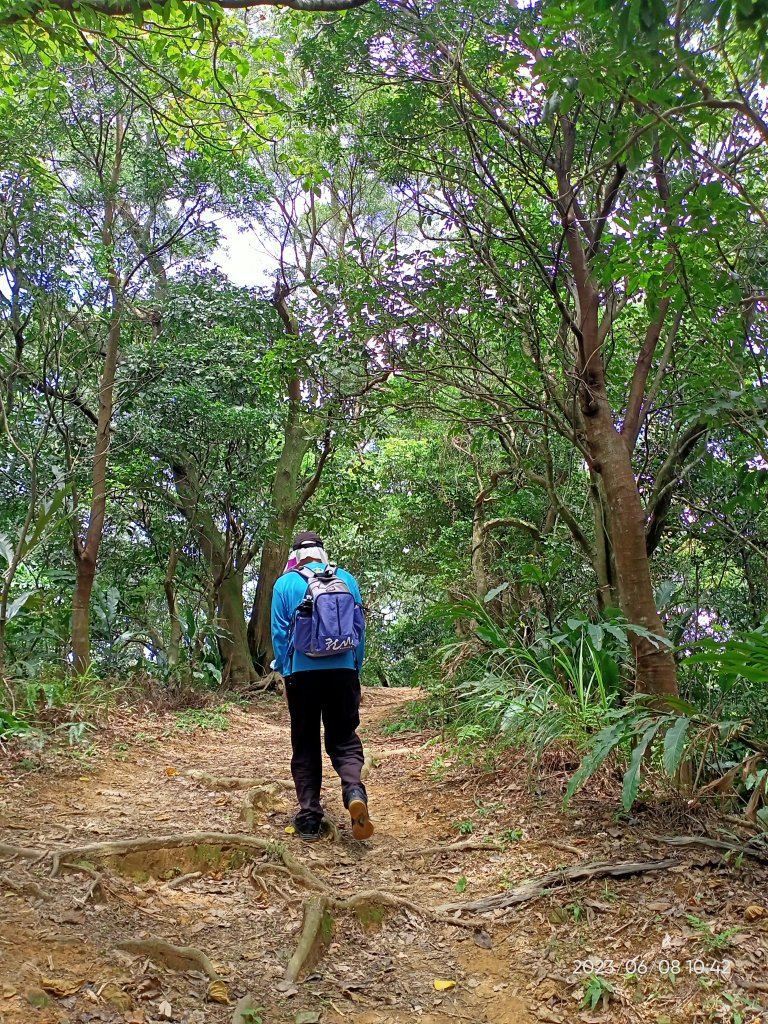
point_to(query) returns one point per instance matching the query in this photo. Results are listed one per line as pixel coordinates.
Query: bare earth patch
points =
(155, 881)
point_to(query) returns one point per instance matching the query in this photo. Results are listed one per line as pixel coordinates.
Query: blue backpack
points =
(328, 621)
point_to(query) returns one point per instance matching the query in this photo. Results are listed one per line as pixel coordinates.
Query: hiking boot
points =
(362, 826)
(309, 831)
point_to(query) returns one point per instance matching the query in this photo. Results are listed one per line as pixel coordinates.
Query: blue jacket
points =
(286, 597)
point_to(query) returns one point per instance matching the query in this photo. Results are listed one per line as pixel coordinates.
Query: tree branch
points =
(125, 8)
(515, 523)
(667, 479)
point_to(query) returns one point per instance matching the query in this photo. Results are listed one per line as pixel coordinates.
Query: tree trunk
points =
(289, 496)
(227, 579)
(481, 585)
(603, 562)
(81, 613)
(174, 644)
(274, 553)
(656, 671)
(233, 639)
(87, 549)
(611, 457)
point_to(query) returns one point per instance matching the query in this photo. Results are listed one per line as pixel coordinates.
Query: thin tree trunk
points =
(289, 496)
(227, 580)
(477, 559)
(87, 551)
(174, 644)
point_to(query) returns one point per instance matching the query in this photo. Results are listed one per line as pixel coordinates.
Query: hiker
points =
(318, 636)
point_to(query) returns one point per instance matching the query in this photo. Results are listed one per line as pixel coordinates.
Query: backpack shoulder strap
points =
(305, 572)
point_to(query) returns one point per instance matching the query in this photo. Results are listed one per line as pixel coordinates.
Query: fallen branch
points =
(177, 958)
(372, 758)
(555, 844)
(462, 844)
(534, 887)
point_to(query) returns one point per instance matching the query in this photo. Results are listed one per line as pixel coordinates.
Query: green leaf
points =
(17, 604)
(596, 635)
(6, 548)
(631, 785)
(674, 745)
(605, 741)
(495, 593)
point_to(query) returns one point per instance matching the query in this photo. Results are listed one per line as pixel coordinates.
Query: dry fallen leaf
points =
(218, 992)
(170, 771)
(443, 984)
(290, 830)
(165, 1009)
(755, 912)
(8, 991)
(61, 987)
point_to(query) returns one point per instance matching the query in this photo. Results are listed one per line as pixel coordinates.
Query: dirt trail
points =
(60, 936)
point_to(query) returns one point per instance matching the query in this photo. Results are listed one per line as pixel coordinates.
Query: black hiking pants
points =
(333, 696)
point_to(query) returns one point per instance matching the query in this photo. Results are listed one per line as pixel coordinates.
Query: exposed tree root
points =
(245, 1010)
(373, 758)
(21, 852)
(176, 883)
(226, 783)
(534, 887)
(260, 798)
(369, 906)
(23, 887)
(217, 840)
(753, 848)
(257, 869)
(331, 828)
(177, 958)
(316, 934)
